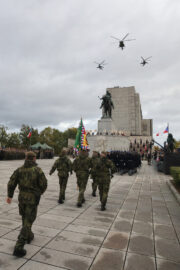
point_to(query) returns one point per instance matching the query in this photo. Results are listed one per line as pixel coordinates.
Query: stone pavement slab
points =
(139, 230)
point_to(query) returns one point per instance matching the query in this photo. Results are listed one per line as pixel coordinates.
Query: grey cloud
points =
(48, 49)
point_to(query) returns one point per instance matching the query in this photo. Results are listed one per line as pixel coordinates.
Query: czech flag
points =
(30, 133)
(166, 130)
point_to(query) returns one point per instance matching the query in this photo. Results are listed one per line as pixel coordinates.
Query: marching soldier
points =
(81, 166)
(94, 161)
(32, 184)
(105, 169)
(63, 166)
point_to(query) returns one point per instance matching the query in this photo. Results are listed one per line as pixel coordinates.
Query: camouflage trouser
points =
(28, 213)
(94, 184)
(103, 186)
(82, 183)
(62, 184)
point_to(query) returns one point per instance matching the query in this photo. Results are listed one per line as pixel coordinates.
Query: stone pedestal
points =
(108, 143)
(105, 125)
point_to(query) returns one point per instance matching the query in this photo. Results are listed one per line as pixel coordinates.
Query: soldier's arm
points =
(12, 184)
(42, 181)
(54, 167)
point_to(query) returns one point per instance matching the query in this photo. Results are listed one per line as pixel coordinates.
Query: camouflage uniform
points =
(105, 169)
(32, 184)
(63, 166)
(81, 166)
(94, 161)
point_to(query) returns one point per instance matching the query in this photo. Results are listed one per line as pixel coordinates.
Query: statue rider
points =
(107, 105)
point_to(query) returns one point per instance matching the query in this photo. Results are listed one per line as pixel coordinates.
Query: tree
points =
(25, 141)
(70, 133)
(13, 140)
(3, 136)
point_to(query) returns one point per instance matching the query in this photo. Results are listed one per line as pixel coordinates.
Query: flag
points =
(30, 133)
(81, 138)
(166, 130)
(157, 134)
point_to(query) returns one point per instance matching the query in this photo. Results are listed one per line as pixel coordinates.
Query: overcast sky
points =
(47, 53)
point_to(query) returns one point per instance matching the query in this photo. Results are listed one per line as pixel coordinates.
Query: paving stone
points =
(108, 259)
(139, 262)
(162, 219)
(168, 249)
(80, 238)
(32, 265)
(60, 218)
(9, 223)
(87, 230)
(167, 265)
(143, 228)
(50, 223)
(116, 240)
(128, 214)
(45, 231)
(73, 247)
(62, 259)
(164, 231)
(4, 230)
(142, 245)
(145, 216)
(122, 225)
(9, 262)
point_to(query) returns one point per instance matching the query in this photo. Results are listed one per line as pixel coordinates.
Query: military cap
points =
(30, 155)
(104, 153)
(94, 151)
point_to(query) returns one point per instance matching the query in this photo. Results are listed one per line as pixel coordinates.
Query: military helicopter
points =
(121, 41)
(145, 60)
(101, 65)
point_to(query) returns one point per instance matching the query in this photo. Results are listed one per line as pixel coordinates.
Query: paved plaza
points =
(139, 231)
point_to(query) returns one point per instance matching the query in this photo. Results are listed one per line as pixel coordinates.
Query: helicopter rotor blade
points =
(129, 39)
(148, 57)
(96, 63)
(125, 36)
(102, 63)
(115, 38)
(142, 58)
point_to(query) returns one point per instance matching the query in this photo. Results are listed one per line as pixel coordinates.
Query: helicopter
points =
(145, 60)
(121, 41)
(101, 65)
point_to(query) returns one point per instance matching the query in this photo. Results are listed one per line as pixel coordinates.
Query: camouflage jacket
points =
(81, 165)
(105, 167)
(31, 182)
(94, 162)
(63, 166)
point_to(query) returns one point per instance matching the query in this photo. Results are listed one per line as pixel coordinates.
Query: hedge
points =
(175, 172)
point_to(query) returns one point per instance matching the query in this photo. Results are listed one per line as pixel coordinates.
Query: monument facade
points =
(126, 115)
(124, 125)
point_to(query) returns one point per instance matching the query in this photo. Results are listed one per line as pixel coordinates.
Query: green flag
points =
(77, 144)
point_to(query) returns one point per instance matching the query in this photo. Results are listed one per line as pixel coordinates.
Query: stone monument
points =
(121, 122)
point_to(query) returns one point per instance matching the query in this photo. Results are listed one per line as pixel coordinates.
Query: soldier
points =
(63, 166)
(81, 166)
(94, 161)
(32, 184)
(105, 169)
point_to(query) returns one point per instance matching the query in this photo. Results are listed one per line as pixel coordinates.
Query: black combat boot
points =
(79, 204)
(83, 200)
(103, 208)
(19, 252)
(60, 201)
